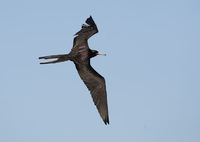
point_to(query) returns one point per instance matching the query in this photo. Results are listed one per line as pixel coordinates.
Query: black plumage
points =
(80, 54)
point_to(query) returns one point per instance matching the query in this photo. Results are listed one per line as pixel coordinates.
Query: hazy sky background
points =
(152, 71)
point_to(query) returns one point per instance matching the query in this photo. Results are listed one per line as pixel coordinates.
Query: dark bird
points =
(81, 54)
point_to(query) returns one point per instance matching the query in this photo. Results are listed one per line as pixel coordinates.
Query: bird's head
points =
(95, 53)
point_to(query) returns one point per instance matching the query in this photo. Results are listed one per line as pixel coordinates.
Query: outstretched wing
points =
(96, 84)
(85, 33)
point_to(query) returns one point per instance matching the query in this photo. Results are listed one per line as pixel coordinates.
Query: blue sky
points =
(151, 69)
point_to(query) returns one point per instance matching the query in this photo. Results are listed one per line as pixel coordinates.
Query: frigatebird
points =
(81, 54)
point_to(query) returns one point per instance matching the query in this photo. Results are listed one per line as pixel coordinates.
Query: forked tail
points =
(60, 58)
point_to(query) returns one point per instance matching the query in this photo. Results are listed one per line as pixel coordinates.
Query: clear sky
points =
(152, 71)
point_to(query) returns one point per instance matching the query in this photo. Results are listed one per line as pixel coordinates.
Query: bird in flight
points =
(81, 54)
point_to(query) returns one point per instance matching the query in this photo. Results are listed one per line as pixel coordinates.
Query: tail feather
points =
(52, 56)
(60, 58)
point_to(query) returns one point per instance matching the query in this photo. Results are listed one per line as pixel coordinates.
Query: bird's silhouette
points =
(80, 54)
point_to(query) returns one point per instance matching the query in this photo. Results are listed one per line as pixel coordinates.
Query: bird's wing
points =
(96, 85)
(85, 33)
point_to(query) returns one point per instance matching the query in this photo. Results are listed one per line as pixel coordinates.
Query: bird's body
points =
(81, 54)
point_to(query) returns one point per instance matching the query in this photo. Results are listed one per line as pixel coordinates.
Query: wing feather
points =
(96, 85)
(85, 33)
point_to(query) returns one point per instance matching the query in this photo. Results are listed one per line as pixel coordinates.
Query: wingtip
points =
(90, 21)
(106, 121)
